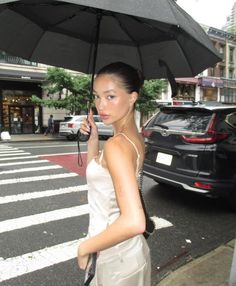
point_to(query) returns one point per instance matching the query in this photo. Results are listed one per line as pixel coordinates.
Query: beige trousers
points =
(126, 264)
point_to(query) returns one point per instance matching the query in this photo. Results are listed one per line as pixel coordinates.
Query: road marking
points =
(60, 154)
(47, 193)
(29, 262)
(10, 151)
(23, 163)
(22, 170)
(17, 154)
(17, 158)
(37, 178)
(27, 221)
(50, 146)
(161, 222)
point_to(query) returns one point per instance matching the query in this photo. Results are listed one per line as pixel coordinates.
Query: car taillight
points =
(203, 185)
(146, 133)
(70, 125)
(211, 136)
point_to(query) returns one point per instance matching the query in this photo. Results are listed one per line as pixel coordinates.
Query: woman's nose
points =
(101, 105)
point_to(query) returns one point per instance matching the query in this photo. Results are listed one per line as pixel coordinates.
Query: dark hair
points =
(131, 78)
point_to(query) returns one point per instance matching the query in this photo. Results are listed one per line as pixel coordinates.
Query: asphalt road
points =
(44, 213)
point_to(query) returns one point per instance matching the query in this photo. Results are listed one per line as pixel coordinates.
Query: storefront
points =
(186, 88)
(228, 93)
(210, 88)
(18, 114)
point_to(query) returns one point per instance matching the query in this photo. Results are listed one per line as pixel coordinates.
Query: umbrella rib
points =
(132, 39)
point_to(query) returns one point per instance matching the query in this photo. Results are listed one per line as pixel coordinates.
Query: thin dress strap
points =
(136, 149)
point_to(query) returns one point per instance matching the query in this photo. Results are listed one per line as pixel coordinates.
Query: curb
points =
(211, 269)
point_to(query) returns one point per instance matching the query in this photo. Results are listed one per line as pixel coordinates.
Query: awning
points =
(211, 82)
(187, 80)
(22, 75)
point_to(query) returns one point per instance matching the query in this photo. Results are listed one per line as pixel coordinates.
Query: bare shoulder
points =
(119, 147)
(116, 144)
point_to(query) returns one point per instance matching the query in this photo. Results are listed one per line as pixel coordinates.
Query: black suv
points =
(193, 147)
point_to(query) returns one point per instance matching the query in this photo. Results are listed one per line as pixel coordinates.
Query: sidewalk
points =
(212, 269)
(33, 138)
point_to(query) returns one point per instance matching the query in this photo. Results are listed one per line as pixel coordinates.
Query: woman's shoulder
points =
(122, 143)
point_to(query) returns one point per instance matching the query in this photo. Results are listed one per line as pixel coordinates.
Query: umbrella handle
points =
(83, 137)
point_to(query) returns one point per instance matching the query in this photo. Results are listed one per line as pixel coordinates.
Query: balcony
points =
(8, 59)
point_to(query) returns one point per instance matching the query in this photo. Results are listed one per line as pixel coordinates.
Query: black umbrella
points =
(156, 36)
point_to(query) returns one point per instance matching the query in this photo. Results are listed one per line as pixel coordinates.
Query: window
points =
(231, 54)
(222, 72)
(231, 119)
(185, 120)
(231, 73)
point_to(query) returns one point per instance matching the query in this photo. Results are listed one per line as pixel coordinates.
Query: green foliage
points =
(150, 92)
(75, 87)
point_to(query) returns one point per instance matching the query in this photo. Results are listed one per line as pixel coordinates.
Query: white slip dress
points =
(127, 263)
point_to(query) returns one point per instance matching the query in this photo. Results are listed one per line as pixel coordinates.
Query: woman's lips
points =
(104, 116)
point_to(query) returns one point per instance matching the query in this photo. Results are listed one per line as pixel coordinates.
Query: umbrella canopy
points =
(156, 36)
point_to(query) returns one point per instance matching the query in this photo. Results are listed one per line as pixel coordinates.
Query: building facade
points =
(217, 83)
(19, 80)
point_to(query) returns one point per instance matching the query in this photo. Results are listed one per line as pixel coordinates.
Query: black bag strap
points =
(150, 225)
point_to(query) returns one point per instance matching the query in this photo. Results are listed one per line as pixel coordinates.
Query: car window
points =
(67, 118)
(81, 118)
(186, 120)
(231, 119)
(96, 119)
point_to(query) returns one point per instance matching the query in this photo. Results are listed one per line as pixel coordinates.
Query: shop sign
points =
(211, 82)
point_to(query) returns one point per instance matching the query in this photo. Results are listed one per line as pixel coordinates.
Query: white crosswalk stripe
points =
(36, 178)
(14, 154)
(9, 151)
(22, 222)
(23, 163)
(28, 262)
(23, 170)
(42, 194)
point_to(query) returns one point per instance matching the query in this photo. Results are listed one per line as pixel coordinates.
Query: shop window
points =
(18, 111)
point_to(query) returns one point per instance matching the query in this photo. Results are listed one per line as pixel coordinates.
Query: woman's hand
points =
(89, 126)
(82, 259)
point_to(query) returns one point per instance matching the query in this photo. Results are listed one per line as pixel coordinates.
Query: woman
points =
(117, 219)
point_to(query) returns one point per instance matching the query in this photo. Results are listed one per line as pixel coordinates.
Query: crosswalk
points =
(35, 194)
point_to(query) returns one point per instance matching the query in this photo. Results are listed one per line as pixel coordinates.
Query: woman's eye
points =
(110, 97)
(96, 97)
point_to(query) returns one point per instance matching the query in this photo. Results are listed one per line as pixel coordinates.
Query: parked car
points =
(194, 148)
(69, 127)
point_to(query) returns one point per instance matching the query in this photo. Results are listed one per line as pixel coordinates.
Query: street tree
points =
(65, 91)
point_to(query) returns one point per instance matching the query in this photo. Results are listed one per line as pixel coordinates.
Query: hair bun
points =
(141, 77)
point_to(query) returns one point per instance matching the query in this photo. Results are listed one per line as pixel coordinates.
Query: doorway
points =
(21, 119)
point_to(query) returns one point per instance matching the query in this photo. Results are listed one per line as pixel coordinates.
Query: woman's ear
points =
(133, 97)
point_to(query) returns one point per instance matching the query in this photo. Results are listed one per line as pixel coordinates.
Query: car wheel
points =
(70, 137)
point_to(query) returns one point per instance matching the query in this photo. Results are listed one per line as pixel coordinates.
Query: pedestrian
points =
(116, 219)
(50, 128)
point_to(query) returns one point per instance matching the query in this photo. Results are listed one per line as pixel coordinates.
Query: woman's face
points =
(112, 101)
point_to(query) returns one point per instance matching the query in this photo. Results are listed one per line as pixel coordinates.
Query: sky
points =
(209, 12)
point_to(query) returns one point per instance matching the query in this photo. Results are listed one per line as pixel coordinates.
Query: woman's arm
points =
(121, 161)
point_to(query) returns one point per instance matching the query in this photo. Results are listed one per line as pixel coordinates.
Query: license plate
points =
(163, 158)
